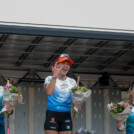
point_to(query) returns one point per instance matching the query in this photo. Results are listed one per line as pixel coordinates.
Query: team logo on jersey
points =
(63, 86)
(71, 81)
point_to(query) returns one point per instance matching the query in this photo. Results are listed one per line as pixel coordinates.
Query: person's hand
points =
(56, 69)
(78, 107)
(9, 109)
(119, 124)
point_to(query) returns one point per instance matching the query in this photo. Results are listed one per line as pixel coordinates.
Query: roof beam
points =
(84, 65)
(29, 49)
(75, 72)
(30, 76)
(89, 52)
(69, 42)
(117, 55)
(3, 39)
(128, 66)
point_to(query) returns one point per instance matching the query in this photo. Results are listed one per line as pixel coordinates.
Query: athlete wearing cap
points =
(58, 86)
(9, 111)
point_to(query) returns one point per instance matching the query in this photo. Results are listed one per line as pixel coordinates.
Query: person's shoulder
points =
(48, 79)
(71, 79)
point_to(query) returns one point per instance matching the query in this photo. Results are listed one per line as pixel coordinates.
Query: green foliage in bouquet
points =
(118, 107)
(5, 113)
(13, 89)
(79, 88)
(73, 111)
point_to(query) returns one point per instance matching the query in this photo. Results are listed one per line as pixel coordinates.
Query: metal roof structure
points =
(90, 56)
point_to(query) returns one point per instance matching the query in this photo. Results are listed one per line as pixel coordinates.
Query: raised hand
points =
(56, 69)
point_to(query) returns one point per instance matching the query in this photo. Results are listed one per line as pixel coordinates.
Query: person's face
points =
(132, 92)
(65, 66)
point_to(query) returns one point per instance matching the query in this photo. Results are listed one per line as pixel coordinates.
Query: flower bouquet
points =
(120, 111)
(12, 96)
(79, 96)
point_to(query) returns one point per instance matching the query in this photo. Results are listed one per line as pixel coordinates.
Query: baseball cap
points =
(65, 57)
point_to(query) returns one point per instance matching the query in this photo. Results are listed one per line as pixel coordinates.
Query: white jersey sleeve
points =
(47, 80)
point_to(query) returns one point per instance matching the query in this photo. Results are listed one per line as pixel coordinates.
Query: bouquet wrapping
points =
(120, 111)
(12, 96)
(80, 95)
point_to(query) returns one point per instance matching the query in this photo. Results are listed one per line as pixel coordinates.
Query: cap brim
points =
(61, 59)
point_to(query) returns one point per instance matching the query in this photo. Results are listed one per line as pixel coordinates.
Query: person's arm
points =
(50, 86)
